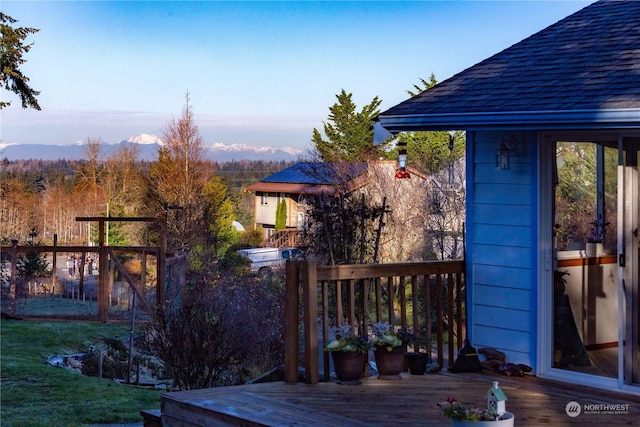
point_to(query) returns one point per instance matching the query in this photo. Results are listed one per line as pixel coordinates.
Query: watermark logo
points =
(573, 409)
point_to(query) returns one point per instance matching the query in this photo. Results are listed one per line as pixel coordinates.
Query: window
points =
(586, 195)
(264, 199)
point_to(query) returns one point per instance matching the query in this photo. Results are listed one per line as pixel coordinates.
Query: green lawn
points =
(33, 393)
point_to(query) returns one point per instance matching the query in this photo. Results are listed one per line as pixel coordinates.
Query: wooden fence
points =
(427, 297)
(80, 292)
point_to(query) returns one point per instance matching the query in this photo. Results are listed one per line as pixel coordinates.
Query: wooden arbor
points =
(104, 251)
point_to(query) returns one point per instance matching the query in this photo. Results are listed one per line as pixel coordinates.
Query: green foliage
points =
(12, 48)
(281, 215)
(575, 193)
(32, 265)
(218, 215)
(345, 340)
(425, 85)
(234, 263)
(349, 133)
(250, 238)
(33, 392)
(429, 151)
(576, 201)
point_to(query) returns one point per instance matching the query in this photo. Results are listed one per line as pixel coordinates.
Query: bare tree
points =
(445, 215)
(179, 177)
(90, 172)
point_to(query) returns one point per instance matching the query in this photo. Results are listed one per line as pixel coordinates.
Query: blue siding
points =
(502, 221)
(508, 277)
(505, 319)
(504, 256)
(517, 345)
(490, 214)
(502, 235)
(503, 194)
(502, 296)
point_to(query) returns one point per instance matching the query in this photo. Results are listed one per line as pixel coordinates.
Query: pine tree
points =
(349, 133)
(12, 48)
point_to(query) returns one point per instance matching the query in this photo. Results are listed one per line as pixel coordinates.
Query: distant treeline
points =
(237, 173)
(42, 197)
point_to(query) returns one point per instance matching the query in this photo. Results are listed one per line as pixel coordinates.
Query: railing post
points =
(310, 307)
(451, 318)
(292, 314)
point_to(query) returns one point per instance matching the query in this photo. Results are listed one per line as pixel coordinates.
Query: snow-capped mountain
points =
(148, 146)
(145, 139)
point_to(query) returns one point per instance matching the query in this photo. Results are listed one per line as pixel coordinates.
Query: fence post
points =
(13, 283)
(310, 322)
(291, 314)
(103, 291)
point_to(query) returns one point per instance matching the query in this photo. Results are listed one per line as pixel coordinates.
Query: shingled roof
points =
(584, 69)
(311, 177)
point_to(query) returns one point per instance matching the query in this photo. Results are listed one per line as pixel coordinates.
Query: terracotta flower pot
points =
(389, 363)
(417, 363)
(349, 366)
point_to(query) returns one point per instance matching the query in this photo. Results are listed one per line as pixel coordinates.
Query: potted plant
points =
(493, 415)
(349, 353)
(416, 360)
(594, 241)
(389, 349)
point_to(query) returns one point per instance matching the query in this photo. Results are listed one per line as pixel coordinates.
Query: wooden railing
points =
(281, 239)
(427, 297)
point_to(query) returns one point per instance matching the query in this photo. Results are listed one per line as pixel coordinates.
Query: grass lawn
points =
(33, 393)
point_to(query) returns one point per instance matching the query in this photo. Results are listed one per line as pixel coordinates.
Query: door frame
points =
(628, 269)
(546, 265)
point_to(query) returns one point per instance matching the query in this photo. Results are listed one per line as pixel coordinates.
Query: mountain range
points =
(148, 151)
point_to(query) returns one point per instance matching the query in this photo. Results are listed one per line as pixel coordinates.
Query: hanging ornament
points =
(401, 172)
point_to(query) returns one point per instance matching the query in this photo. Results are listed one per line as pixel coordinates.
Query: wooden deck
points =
(409, 401)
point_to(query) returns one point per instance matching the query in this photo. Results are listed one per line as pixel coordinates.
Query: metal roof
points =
(318, 173)
(581, 70)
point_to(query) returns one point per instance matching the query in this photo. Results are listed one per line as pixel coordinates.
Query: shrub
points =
(223, 331)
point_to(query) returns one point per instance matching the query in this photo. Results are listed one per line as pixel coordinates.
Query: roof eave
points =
(568, 119)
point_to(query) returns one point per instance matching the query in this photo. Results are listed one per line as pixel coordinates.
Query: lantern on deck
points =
(401, 172)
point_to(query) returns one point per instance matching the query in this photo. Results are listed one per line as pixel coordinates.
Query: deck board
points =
(409, 401)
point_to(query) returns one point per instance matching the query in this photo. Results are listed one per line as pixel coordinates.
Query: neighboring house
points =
(293, 185)
(575, 81)
(297, 183)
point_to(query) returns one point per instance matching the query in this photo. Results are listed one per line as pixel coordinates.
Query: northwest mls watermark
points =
(573, 409)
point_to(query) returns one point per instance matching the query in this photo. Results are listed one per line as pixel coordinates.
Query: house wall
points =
(265, 214)
(502, 245)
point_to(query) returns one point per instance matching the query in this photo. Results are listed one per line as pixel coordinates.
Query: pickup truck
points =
(264, 260)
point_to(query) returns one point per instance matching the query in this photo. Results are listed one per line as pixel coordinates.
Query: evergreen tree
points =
(219, 215)
(429, 151)
(281, 215)
(12, 47)
(425, 85)
(349, 133)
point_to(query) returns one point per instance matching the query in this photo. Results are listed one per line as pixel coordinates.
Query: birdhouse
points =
(496, 400)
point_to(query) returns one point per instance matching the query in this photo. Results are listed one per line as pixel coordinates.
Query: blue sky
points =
(258, 72)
